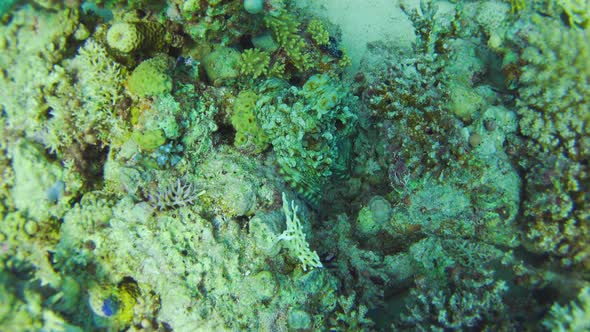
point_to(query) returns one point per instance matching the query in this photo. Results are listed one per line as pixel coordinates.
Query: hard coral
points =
(295, 238)
(471, 302)
(151, 77)
(136, 36)
(552, 104)
(308, 128)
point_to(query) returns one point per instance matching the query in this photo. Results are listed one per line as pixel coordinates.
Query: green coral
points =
(307, 128)
(130, 37)
(151, 77)
(516, 5)
(23, 308)
(318, 32)
(83, 98)
(470, 301)
(222, 64)
(572, 317)
(554, 87)
(254, 63)
(232, 188)
(372, 218)
(149, 140)
(34, 176)
(29, 65)
(249, 133)
(285, 30)
(577, 12)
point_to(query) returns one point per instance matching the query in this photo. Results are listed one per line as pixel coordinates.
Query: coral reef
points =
(572, 317)
(552, 105)
(295, 238)
(306, 128)
(151, 77)
(136, 36)
(213, 165)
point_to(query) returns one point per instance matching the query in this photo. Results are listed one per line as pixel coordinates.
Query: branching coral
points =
(572, 317)
(470, 302)
(295, 238)
(554, 87)
(286, 31)
(254, 63)
(83, 99)
(553, 103)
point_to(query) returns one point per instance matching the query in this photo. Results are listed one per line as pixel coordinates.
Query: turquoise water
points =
(276, 165)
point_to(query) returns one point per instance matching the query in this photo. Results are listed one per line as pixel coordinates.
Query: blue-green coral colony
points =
(225, 165)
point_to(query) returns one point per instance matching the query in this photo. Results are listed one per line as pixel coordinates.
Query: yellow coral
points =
(151, 77)
(577, 11)
(318, 32)
(517, 5)
(285, 29)
(136, 36)
(254, 62)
